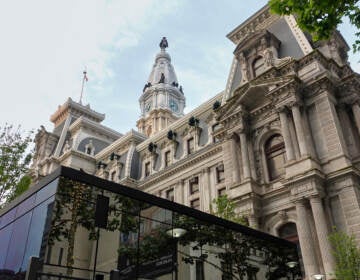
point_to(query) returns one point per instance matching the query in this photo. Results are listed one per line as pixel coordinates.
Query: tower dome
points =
(162, 96)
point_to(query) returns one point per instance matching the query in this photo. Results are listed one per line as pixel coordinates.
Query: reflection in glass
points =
(38, 230)
(5, 235)
(17, 243)
(139, 240)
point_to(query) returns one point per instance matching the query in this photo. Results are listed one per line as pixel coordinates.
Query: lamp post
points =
(292, 265)
(176, 233)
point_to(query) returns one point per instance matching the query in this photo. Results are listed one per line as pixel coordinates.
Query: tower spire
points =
(162, 101)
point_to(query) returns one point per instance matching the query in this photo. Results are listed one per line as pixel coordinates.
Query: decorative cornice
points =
(180, 165)
(131, 136)
(75, 153)
(75, 109)
(86, 123)
(256, 22)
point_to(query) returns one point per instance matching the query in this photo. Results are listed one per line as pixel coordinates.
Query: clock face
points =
(147, 107)
(174, 106)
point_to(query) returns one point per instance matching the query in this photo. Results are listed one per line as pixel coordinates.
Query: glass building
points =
(73, 225)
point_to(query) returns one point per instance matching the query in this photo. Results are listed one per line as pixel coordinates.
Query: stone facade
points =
(282, 139)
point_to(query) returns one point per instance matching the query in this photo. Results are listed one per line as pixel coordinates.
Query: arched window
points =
(258, 66)
(275, 156)
(289, 232)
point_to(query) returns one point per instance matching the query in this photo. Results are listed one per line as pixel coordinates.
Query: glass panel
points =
(8, 217)
(17, 243)
(156, 249)
(5, 235)
(143, 241)
(25, 206)
(39, 229)
(46, 192)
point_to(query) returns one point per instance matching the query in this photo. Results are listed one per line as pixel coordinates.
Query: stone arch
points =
(259, 147)
(278, 220)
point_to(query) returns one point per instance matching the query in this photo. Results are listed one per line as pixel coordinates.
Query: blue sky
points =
(45, 46)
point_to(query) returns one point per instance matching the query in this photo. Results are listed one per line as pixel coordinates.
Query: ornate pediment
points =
(260, 40)
(255, 93)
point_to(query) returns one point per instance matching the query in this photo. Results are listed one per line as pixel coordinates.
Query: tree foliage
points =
(225, 209)
(14, 163)
(320, 18)
(347, 256)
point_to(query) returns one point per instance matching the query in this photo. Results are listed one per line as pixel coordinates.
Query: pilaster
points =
(306, 241)
(286, 133)
(322, 232)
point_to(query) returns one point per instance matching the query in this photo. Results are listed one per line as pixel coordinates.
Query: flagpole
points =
(82, 87)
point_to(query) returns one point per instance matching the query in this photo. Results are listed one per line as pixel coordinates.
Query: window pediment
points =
(259, 40)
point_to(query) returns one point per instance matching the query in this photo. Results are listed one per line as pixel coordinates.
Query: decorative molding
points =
(298, 34)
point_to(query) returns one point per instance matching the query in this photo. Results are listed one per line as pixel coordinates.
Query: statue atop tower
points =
(162, 100)
(164, 43)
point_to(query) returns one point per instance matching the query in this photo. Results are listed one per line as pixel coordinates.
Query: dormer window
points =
(190, 146)
(256, 53)
(167, 158)
(258, 66)
(147, 169)
(89, 148)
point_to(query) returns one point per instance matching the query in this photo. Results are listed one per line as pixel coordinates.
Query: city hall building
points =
(281, 140)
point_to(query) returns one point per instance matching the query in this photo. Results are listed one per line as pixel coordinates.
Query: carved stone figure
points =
(162, 78)
(66, 146)
(268, 57)
(244, 68)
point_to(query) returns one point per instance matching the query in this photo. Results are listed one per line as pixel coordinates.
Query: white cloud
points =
(46, 45)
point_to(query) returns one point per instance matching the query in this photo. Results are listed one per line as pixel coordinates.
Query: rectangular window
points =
(200, 270)
(195, 203)
(61, 253)
(170, 194)
(147, 169)
(167, 158)
(220, 177)
(194, 185)
(190, 146)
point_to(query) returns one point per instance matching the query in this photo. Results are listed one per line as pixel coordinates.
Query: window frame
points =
(271, 152)
(194, 182)
(190, 145)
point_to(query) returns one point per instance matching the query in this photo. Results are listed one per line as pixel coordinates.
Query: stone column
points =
(178, 192)
(322, 234)
(186, 192)
(234, 156)
(305, 238)
(299, 130)
(205, 190)
(245, 155)
(252, 161)
(286, 133)
(356, 112)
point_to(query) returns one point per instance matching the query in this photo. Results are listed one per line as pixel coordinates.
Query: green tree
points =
(14, 163)
(320, 18)
(347, 256)
(225, 209)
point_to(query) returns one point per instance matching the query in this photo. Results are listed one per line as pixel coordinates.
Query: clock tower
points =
(162, 101)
